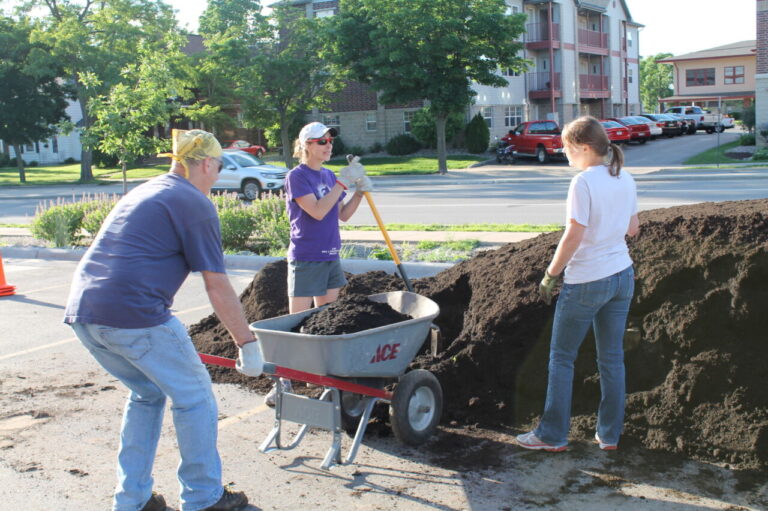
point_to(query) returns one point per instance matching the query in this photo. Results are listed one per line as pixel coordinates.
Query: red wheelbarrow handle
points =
(292, 374)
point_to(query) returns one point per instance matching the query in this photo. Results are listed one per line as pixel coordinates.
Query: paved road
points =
(523, 193)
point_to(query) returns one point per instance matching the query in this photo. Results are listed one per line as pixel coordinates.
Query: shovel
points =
(383, 229)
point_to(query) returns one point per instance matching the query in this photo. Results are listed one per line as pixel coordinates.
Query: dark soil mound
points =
(695, 345)
(348, 315)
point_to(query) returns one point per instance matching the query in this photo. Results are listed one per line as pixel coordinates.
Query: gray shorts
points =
(314, 278)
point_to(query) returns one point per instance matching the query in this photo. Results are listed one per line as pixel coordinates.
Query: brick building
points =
(584, 57)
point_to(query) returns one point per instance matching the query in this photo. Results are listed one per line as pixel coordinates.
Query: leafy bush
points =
(273, 229)
(59, 222)
(478, 135)
(761, 155)
(33, 163)
(5, 160)
(96, 213)
(402, 144)
(339, 147)
(357, 150)
(748, 139)
(103, 160)
(748, 117)
(423, 126)
(237, 221)
(380, 253)
(70, 161)
(376, 147)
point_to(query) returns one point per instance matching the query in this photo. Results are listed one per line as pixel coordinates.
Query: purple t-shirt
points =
(152, 239)
(312, 240)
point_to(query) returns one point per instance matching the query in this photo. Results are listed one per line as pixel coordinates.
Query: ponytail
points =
(616, 159)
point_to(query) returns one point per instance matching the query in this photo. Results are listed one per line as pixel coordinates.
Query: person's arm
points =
(569, 243)
(227, 306)
(347, 210)
(318, 208)
(634, 226)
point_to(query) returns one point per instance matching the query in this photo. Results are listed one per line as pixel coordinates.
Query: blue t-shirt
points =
(312, 240)
(152, 239)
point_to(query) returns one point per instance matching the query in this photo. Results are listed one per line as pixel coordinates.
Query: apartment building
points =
(720, 79)
(584, 60)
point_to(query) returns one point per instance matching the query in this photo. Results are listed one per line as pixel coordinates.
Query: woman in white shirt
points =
(598, 285)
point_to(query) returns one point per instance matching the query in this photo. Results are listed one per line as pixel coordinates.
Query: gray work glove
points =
(364, 184)
(547, 287)
(250, 361)
(349, 175)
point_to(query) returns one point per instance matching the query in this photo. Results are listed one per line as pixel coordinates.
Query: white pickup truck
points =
(703, 119)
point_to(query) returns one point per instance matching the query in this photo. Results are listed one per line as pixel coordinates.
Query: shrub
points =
(748, 117)
(761, 155)
(478, 135)
(103, 160)
(58, 222)
(273, 229)
(423, 126)
(356, 149)
(33, 163)
(380, 253)
(376, 147)
(748, 139)
(339, 147)
(5, 160)
(402, 144)
(96, 212)
(70, 161)
(237, 221)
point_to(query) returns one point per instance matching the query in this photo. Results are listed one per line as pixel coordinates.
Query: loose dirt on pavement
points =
(695, 346)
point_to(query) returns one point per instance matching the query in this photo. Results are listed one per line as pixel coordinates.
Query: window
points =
(332, 121)
(487, 113)
(407, 118)
(629, 75)
(513, 115)
(509, 72)
(734, 74)
(697, 77)
(629, 39)
(370, 121)
(28, 148)
(324, 13)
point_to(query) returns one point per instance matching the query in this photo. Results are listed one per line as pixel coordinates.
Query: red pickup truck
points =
(538, 139)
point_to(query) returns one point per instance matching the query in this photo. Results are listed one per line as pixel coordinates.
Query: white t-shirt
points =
(603, 204)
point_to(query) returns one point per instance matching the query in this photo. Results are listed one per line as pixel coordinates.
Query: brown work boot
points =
(155, 503)
(229, 501)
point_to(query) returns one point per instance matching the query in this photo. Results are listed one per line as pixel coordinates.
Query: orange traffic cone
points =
(5, 289)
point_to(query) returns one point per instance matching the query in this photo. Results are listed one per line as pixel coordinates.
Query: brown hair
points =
(588, 131)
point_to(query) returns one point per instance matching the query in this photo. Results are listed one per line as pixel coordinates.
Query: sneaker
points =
(155, 503)
(229, 501)
(269, 399)
(531, 441)
(604, 446)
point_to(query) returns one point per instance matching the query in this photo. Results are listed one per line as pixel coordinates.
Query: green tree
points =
(655, 81)
(276, 63)
(423, 126)
(99, 39)
(478, 135)
(125, 116)
(421, 49)
(32, 100)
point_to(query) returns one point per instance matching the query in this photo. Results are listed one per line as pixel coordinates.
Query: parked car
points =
(656, 130)
(670, 126)
(688, 126)
(537, 139)
(639, 130)
(244, 173)
(617, 132)
(243, 145)
(705, 120)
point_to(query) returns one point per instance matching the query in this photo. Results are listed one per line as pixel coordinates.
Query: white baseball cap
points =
(315, 130)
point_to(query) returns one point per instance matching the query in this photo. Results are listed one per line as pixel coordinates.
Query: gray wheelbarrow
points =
(354, 369)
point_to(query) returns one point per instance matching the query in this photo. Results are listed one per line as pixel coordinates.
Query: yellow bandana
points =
(193, 145)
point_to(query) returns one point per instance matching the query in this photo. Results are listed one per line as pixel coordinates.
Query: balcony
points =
(538, 36)
(591, 41)
(594, 86)
(540, 85)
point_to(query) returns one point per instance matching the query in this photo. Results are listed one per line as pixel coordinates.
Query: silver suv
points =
(249, 175)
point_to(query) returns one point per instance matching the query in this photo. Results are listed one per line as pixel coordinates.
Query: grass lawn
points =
(399, 165)
(70, 174)
(459, 227)
(714, 156)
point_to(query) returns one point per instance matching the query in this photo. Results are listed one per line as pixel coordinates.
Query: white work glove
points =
(364, 184)
(349, 175)
(250, 361)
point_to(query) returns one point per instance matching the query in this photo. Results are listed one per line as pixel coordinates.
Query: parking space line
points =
(223, 423)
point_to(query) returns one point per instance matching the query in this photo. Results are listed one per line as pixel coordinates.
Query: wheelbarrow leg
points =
(360, 431)
(274, 435)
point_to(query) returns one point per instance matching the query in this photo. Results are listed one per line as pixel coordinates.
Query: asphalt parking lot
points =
(61, 412)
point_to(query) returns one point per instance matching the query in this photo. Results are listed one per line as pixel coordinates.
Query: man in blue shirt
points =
(119, 307)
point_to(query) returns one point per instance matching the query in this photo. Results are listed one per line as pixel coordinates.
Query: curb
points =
(240, 262)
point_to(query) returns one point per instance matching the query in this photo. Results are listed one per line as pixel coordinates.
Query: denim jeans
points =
(155, 363)
(604, 304)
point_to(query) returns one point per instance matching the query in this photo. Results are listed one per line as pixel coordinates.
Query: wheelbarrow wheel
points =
(417, 404)
(352, 408)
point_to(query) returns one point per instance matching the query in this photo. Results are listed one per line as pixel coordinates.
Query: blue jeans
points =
(604, 304)
(154, 363)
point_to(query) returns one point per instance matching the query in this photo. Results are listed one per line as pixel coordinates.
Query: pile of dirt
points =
(695, 344)
(348, 315)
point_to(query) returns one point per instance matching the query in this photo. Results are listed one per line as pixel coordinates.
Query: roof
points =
(194, 45)
(689, 98)
(595, 5)
(740, 49)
